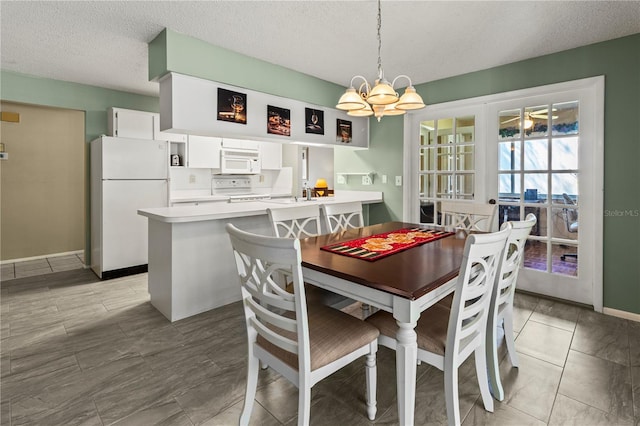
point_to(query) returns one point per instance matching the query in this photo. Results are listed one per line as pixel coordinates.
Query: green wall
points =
(94, 101)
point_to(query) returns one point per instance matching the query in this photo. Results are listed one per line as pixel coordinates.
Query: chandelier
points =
(382, 99)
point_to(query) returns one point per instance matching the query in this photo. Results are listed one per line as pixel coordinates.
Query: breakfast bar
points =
(191, 266)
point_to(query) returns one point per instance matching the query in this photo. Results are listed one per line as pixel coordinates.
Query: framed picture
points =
(232, 106)
(278, 121)
(314, 121)
(343, 132)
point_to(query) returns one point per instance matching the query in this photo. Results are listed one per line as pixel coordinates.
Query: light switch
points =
(341, 179)
(384, 178)
(192, 178)
(398, 180)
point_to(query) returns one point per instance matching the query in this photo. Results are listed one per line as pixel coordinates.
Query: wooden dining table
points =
(404, 283)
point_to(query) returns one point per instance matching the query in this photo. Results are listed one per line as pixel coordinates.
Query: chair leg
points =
(304, 404)
(371, 384)
(253, 367)
(508, 336)
(492, 358)
(451, 395)
(483, 378)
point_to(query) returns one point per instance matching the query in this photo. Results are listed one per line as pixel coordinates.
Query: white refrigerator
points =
(126, 175)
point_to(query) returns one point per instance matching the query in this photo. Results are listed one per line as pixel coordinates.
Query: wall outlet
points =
(398, 180)
(261, 178)
(341, 180)
(366, 180)
(384, 178)
(192, 178)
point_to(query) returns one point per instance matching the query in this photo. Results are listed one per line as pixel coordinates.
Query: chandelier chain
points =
(380, 76)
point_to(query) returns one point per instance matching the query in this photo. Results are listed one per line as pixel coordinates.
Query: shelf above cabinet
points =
(343, 178)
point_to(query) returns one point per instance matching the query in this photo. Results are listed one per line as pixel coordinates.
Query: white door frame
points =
(594, 86)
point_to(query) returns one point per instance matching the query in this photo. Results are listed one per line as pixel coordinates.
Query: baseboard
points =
(44, 256)
(621, 314)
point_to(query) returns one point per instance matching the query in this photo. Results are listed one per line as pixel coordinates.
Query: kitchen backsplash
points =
(199, 180)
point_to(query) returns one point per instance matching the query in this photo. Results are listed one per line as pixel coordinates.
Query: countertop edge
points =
(216, 211)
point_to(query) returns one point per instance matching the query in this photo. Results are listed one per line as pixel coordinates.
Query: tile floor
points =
(30, 268)
(79, 351)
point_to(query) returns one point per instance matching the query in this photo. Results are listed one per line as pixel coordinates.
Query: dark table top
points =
(411, 273)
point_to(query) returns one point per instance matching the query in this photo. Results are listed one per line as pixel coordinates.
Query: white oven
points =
(239, 161)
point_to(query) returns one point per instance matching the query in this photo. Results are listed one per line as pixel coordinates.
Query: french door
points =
(536, 151)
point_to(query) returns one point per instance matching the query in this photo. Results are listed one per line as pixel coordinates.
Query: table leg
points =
(406, 361)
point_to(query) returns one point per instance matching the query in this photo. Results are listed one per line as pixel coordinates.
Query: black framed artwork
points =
(278, 121)
(343, 131)
(232, 106)
(314, 121)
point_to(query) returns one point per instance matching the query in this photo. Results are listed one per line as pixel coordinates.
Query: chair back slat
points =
(343, 216)
(271, 312)
(468, 216)
(472, 297)
(295, 222)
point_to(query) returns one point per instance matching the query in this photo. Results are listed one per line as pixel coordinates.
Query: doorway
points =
(538, 151)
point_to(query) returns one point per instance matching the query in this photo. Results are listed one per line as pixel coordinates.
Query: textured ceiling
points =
(104, 43)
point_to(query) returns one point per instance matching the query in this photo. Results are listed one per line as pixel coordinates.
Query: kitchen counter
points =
(191, 264)
(215, 211)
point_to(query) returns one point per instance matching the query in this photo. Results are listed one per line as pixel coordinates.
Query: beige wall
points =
(42, 182)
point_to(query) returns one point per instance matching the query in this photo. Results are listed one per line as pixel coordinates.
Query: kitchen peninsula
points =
(191, 266)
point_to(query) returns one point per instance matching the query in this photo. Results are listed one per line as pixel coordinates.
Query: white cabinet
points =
(127, 123)
(203, 152)
(271, 155)
(240, 143)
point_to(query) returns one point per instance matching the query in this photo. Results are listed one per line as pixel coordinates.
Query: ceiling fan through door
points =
(529, 116)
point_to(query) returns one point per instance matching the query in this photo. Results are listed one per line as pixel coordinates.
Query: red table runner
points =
(382, 245)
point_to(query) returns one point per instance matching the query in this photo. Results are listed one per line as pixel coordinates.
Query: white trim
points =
(621, 314)
(45, 256)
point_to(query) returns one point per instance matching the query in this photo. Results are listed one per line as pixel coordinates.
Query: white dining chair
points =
(295, 222)
(501, 308)
(302, 222)
(303, 343)
(342, 216)
(447, 337)
(468, 216)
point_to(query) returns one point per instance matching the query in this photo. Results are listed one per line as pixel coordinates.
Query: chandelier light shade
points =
(364, 112)
(381, 99)
(351, 100)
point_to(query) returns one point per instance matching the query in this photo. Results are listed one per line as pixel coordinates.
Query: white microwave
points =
(239, 161)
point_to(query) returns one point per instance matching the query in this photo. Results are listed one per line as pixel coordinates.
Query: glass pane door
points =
(538, 173)
(446, 167)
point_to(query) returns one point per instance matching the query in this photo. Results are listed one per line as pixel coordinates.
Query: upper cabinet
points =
(129, 123)
(126, 123)
(240, 144)
(196, 106)
(203, 152)
(271, 155)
